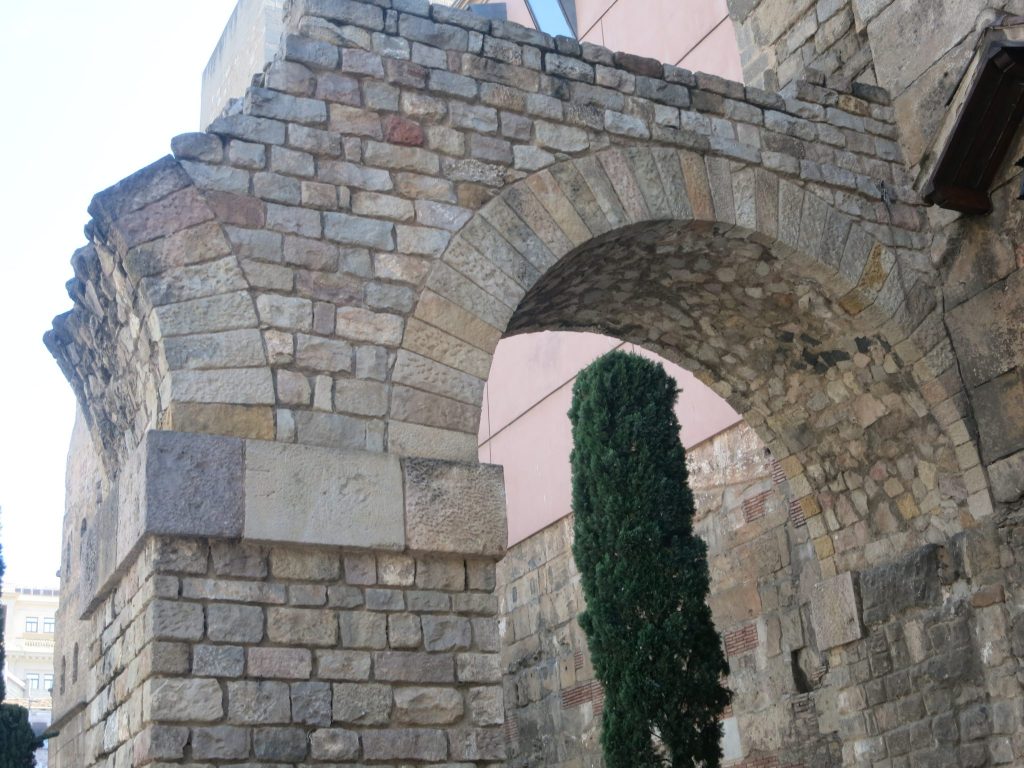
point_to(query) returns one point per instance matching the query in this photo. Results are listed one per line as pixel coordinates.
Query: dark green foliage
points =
(644, 572)
(18, 742)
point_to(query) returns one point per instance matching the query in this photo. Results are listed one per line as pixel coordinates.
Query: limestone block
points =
(301, 626)
(446, 633)
(913, 581)
(478, 667)
(404, 631)
(478, 744)
(1007, 478)
(409, 667)
(486, 705)
(218, 661)
(985, 334)
(835, 613)
(428, 706)
(284, 663)
(360, 629)
(311, 703)
(220, 742)
(258, 702)
(304, 564)
(334, 744)
(175, 620)
(343, 665)
(453, 507)
(405, 744)
(161, 742)
(362, 704)
(182, 700)
(999, 409)
(285, 744)
(304, 494)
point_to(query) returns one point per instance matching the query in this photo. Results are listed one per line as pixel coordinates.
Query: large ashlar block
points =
(309, 495)
(452, 507)
(197, 485)
(835, 614)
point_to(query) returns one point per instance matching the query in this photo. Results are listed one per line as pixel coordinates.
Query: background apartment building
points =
(29, 623)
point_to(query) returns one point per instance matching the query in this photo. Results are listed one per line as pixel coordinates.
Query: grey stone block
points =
(193, 485)
(303, 494)
(910, 582)
(453, 507)
(834, 612)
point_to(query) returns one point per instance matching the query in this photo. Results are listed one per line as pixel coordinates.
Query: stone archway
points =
(281, 333)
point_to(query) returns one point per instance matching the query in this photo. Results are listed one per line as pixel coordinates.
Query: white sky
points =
(95, 91)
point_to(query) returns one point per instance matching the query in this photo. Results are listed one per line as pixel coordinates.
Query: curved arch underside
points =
(831, 398)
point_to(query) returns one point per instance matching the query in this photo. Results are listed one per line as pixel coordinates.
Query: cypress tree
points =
(644, 572)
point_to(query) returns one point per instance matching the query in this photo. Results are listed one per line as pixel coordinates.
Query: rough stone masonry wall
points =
(754, 530)
(211, 653)
(318, 283)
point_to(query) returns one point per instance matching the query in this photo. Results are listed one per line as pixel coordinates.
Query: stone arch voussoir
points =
(473, 292)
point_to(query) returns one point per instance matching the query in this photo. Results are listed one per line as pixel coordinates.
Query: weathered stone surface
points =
(218, 661)
(454, 507)
(193, 484)
(311, 703)
(1007, 477)
(234, 623)
(362, 704)
(446, 633)
(287, 744)
(258, 702)
(334, 744)
(361, 629)
(986, 344)
(308, 495)
(222, 742)
(182, 700)
(343, 665)
(428, 706)
(913, 581)
(405, 744)
(283, 663)
(301, 626)
(835, 613)
(999, 409)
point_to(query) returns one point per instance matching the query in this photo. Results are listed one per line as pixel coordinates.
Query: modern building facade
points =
(29, 629)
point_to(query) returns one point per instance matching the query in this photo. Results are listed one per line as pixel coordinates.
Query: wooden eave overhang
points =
(984, 113)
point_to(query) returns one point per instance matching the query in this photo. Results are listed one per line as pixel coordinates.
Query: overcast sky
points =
(94, 91)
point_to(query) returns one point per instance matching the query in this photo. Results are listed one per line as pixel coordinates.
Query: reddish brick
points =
(399, 130)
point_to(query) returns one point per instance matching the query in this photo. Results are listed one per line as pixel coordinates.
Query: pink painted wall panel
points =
(588, 14)
(531, 382)
(661, 29)
(535, 453)
(718, 54)
(527, 368)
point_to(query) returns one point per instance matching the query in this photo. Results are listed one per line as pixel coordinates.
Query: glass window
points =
(48, 624)
(32, 681)
(47, 682)
(556, 17)
(32, 624)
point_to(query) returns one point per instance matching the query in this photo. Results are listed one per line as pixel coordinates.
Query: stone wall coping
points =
(194, 485)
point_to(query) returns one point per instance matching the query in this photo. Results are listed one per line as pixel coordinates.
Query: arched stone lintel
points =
(472, 292)
(507, 247)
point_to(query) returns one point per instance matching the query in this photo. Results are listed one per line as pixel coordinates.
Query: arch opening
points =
(846, 470)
